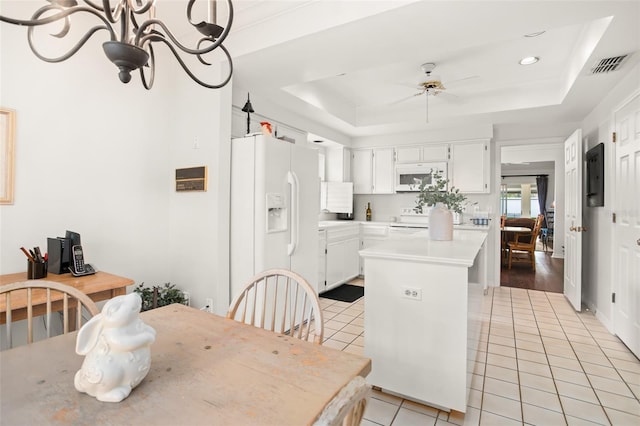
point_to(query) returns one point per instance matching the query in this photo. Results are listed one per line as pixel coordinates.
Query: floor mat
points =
(344, 293)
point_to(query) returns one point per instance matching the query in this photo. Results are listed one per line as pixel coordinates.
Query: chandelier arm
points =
(189, 7)
(202, 61)
(143, 9)
(36, 20)
(62, 14)
(141, 39)
(156, 36)
(111, 14)
(71, 51)
(190, 74)
(152, 67)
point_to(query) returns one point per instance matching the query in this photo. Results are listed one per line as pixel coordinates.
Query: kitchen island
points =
(423, 315)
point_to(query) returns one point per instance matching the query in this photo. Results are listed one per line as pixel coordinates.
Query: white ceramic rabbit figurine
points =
(117, 347)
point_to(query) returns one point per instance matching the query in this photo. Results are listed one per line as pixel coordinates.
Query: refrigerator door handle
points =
(292, 180)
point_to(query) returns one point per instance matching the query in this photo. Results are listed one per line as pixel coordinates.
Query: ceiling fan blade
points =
(449, 97)
(406, 98)
(460, 81)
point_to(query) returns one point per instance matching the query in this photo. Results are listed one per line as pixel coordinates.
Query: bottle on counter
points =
(368, 212)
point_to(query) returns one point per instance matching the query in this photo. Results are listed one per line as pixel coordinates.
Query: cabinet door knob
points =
(573, 228)
(638, 242)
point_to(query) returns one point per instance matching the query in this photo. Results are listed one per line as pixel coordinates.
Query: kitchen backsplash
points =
(386, 208)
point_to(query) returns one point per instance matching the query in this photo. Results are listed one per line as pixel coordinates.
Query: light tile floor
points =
(540, 363)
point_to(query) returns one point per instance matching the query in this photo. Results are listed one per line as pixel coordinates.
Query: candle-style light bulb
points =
(213, 12)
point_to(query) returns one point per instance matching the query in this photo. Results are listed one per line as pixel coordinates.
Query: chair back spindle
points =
(57, 297)
(280, 301)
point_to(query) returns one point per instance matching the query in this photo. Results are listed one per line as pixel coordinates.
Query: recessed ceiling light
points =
(536, 34)
(529, 60)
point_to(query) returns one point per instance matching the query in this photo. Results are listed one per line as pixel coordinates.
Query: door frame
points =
(534, 143)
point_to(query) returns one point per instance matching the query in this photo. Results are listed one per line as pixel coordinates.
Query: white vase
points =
(440, 223)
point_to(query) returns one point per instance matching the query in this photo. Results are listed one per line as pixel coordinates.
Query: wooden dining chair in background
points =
(524, 246)
(347, 407)
(281, 301)
(55, 296)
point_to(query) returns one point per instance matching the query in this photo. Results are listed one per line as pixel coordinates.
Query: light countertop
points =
(338, 223)
(462, 250)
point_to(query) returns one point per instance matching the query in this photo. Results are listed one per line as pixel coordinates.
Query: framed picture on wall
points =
(7, 154)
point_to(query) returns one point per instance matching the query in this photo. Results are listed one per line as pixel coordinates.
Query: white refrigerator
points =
(275, 196)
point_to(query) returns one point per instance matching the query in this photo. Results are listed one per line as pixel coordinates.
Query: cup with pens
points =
(37, 263)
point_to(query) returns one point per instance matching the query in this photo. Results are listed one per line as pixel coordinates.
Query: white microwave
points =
(409, 176)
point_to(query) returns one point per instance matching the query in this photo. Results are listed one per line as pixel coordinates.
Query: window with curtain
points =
(519, 200)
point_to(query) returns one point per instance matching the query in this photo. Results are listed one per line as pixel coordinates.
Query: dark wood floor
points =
(548, 276)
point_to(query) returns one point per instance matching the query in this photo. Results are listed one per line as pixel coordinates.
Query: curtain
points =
(542, 182)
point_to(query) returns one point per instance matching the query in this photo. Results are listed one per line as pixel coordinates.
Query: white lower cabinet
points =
(369, 236)
(342, 261)
(341, 258)
(322, 259)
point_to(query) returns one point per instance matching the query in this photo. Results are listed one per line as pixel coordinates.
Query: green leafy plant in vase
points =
(438, 192)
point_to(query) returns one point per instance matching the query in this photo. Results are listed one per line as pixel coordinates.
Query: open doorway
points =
(530, 184)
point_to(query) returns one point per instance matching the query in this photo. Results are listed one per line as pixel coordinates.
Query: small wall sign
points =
(191, 179)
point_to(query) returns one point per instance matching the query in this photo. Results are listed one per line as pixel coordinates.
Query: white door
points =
(626, 310)
(573, 219)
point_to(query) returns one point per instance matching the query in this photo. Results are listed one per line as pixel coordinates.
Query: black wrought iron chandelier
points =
(131, 44)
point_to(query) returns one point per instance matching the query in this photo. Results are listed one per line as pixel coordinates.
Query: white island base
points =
(423, 316)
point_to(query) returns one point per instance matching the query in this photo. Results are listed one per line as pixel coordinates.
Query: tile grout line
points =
(546, 355)
(515, 349)
(608, 359)
(579, 363)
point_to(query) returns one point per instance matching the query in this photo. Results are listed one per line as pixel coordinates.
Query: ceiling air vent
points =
(608, 64)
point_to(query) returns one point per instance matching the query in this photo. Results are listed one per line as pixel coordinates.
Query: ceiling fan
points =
(432, 85)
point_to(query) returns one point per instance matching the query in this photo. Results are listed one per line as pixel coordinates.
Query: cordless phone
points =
(78, 268)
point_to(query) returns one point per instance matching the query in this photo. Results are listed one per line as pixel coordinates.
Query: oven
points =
(409, 176)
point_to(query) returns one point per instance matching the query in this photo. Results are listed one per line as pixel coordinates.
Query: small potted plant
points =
(156, 296)
(429, 195)
(443, 202)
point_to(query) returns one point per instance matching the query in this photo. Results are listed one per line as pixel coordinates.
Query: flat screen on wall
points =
(595, 176)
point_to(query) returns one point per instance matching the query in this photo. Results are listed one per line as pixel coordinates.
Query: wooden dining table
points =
(205, 369)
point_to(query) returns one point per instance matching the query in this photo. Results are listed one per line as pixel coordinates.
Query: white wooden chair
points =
(27, 295)
(281, 301)
(347, 407)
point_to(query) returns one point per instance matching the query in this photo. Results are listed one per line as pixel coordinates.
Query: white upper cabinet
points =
(338, 164)
(362, 171)
(469, 166)
(422, 153)
(408, 154)
(435, 152)
(373, 171)
(383, 171)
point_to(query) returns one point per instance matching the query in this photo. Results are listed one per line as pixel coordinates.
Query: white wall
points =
(597, 274)
(98, 157)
